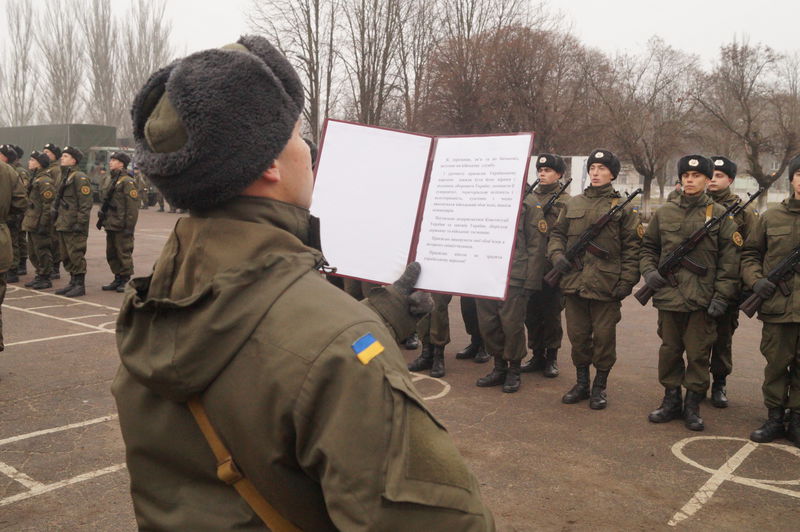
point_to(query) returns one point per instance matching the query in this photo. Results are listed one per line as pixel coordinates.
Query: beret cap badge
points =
(542, 159)
(599, 155)
(693, 162)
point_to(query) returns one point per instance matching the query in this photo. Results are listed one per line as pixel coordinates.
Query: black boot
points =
(691, 411)
(793, 432)
(424, 360)
(123, 280)
(437, 369)
(41, 282)
(79, 288)
(22, 269)
(580, 391)
(32, 282)
(11, 276)
(497, 376)
(481, 357)
(65, 289)
(598, 400)
(512, 381)
(536, 363)
(56, 274)
(718, 395)
(551, 365)
(471, 350)
(772, 428)
(671, 407)
(112, 285)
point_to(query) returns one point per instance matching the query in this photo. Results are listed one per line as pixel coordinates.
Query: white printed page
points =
(469, 221)
(367, 193)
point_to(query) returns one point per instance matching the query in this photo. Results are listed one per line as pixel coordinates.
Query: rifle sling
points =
(229, 473)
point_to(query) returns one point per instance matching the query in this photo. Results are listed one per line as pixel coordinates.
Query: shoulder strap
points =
(709, 211)
(229, 473)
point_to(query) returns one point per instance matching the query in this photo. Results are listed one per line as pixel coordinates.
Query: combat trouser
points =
(592, 331)
(689, 332)
(780, 345)
(72, 247)
(722, 350)
(119, 253)
(469, 313)
(434, 329)
(502, 324)
(2, 298)
(543, 319)
(41, 253)
(18, 246)
(55, 249)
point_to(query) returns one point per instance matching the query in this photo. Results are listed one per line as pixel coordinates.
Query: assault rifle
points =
(586, 242)
(751, 198)
(787, 267)
(680, 256)
(532, 186)
(552, 201)
(106, 206)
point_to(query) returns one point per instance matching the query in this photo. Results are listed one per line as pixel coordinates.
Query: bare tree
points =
(101, 34)
(305, 31)
(418, 39)
(20, 74)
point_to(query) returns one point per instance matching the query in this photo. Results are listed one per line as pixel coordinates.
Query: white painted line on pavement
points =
(25, 297)
(445, 385)
(44, 488)
(65, 320)
(35, 293)
(91, 316)
(19, 476)
(37, 340)
(43, 432)
(55, 306)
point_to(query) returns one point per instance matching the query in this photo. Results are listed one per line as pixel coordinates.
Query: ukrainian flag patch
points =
(366, 348)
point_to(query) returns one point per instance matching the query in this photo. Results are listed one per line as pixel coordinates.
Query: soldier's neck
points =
(596, 192)
(717, 195)
(547, 188)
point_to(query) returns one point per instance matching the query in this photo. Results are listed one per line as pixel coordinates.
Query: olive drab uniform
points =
(120, 221)
(543, 315)
(592, 294)
(54, 170)
(306, 387)
(12, 204)
(38, 223)
(18, 238)
(74, 206)
(684, 324)
(775, 235)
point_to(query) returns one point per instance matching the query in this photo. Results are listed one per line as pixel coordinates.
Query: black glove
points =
(99, 223)
(561, 263)
(654, 280)
(419, 303)
(621, 291)
(764, 288)
(399, 306)
(717, 308)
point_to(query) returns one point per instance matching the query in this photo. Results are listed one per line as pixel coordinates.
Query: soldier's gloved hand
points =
(621, 291)
(655, 280)
(99, 223)
(399, 306)
(561, 263)
(419, 303)
(764, 288)
(717, 308)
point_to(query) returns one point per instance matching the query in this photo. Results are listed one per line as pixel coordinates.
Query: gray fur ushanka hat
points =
(206, 126)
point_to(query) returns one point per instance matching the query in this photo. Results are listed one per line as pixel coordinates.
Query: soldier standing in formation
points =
(775, 235)
(476, 349)
(434, 331)
(118, 216)
(12, 203)
(37, 221)
(543, 316)
(594, 293)
(721, 365)
(17, 234)
(688, 310)
(53, 152)
(73, 208)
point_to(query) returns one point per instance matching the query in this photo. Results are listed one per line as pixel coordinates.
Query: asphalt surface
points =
(542, 465)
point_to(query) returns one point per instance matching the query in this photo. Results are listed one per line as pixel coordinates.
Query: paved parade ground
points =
(542, 465)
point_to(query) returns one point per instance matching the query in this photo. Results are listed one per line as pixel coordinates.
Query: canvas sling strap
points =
(229, 473)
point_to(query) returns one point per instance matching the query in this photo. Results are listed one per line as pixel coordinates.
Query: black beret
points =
(724, 165)
(696, 163)
(794, 166)
(40, 158)
(75, 152)
(551, 160)
(53, 148)
(606, 158)
(122, 157)
(206, 126)
(20, 151)
(9, 151)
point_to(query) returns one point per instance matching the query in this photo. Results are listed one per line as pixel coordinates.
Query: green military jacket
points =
(74, 202)
(123, 203)
(621, 238)
(12, 203)
(538, 265)
(773, 237)
(744, 220)
(719, 252)
(42, 193)
(55, 173)
(524, 245)
(235, 311)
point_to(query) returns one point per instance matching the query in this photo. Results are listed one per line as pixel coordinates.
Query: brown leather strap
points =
(229, 473)
(709, 211)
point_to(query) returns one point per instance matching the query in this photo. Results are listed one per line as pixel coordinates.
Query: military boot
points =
(718, 395)
(32, 282)
(536, 363)
(481, 357)
(112, 285)
(580, 391)
(772, 428)
(671, 407)
(437, 368)
(471, 350)
(793, 432)
(598, 401)
(513, 380)
(411, 343)
(56, 274)
(497, 376)
(123, 280)
(64, 290)
(550, 364)
(79, 288)
(11, 276)
(22, 269)
(691, 411)
(424, 360)
(41, 282)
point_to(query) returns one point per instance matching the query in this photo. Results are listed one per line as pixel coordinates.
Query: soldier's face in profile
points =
(796, 184)
(600, 175)
(50, 154)
(68, 160)
(693, 182)
(719, 181)
(33, 164)
(294, 164)
(114, 164)
(547, 176)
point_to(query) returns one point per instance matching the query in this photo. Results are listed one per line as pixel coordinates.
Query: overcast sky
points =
(696, 26)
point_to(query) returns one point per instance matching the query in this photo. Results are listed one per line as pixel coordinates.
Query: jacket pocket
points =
(577, 222)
